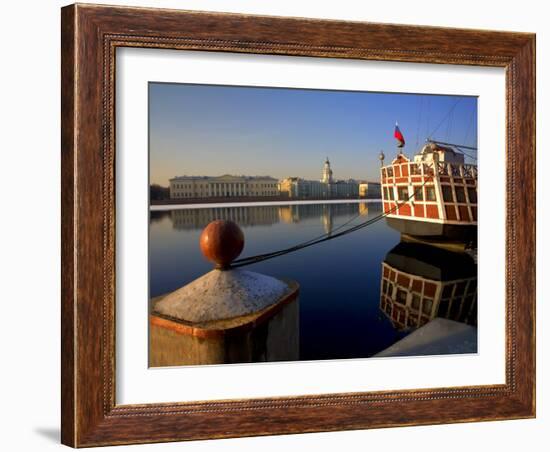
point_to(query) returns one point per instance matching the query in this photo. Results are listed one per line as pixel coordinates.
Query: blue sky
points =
(214, 130)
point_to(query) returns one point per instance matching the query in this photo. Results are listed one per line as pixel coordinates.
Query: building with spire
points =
(327, 187)
(327, 173)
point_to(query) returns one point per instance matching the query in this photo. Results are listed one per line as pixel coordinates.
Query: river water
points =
(341, 315)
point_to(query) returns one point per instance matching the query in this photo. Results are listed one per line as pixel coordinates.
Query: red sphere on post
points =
(221, 242)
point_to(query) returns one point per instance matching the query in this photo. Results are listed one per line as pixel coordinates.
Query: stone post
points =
(228, 315)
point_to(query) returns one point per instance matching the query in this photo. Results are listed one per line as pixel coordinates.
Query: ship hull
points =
(463, 233)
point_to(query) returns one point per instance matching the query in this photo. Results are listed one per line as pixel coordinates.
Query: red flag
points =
(399, 136)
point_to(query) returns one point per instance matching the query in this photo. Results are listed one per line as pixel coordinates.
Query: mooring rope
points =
(325, 237)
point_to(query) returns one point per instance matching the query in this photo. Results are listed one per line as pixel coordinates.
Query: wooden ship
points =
(432, 195)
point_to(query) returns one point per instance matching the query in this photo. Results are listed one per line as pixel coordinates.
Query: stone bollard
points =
(228, 315)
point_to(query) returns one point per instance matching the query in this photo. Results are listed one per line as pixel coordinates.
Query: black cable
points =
(419, 119)
(323, 238)
(445, 117)
(467, 155)
(470, 126)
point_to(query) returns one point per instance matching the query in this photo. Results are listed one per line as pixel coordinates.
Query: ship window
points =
(472, 195)
(430, 194)
(418, 195)
(427, 306)
(403, 193)
(443, 308)
(455, 310)
(390, 172)
(468, 302)
(447, 193)
(415, 301)
(460, 289)
(473, 286)
(390, 193)
(460, 196)
(447, 291)
(401, 296)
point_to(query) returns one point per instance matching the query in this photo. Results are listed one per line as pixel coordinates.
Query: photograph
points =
(292, 224)
(269, 226)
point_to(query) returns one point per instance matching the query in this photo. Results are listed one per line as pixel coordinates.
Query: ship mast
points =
(461, 146)
(458, 147)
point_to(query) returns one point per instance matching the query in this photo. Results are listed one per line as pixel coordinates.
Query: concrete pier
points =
(437, 337)
(227, 315)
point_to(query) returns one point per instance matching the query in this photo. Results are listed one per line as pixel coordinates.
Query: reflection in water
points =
(340, 280)
(261, 215)
(244, 216)
(421, 282)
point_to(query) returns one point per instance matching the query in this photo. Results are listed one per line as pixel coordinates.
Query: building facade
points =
(227, 186)
(296, 187)
(371, 190)
(327, 187)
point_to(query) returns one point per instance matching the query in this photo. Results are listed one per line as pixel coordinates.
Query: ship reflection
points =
(422, 282)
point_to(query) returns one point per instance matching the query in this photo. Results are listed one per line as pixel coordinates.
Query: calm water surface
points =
(340, 280)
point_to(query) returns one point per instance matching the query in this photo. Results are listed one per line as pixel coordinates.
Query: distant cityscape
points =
(219, 188)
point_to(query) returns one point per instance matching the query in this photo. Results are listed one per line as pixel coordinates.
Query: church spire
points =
(327, 173)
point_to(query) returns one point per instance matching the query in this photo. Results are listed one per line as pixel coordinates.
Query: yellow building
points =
(370, 190)
(295, 187)
(327, 187)
(226, 186)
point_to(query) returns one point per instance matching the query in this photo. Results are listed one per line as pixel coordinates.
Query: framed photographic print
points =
(281, 225)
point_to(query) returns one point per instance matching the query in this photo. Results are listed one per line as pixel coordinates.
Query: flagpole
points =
(400, 143)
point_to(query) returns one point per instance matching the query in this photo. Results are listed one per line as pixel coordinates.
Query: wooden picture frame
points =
(90, 36)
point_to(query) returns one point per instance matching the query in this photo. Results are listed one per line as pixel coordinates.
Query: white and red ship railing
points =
(443, 192)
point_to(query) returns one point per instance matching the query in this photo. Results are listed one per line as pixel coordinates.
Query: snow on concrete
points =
(438, 337)
(222, 294)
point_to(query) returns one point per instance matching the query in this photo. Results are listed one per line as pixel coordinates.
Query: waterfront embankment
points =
(164, 207)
